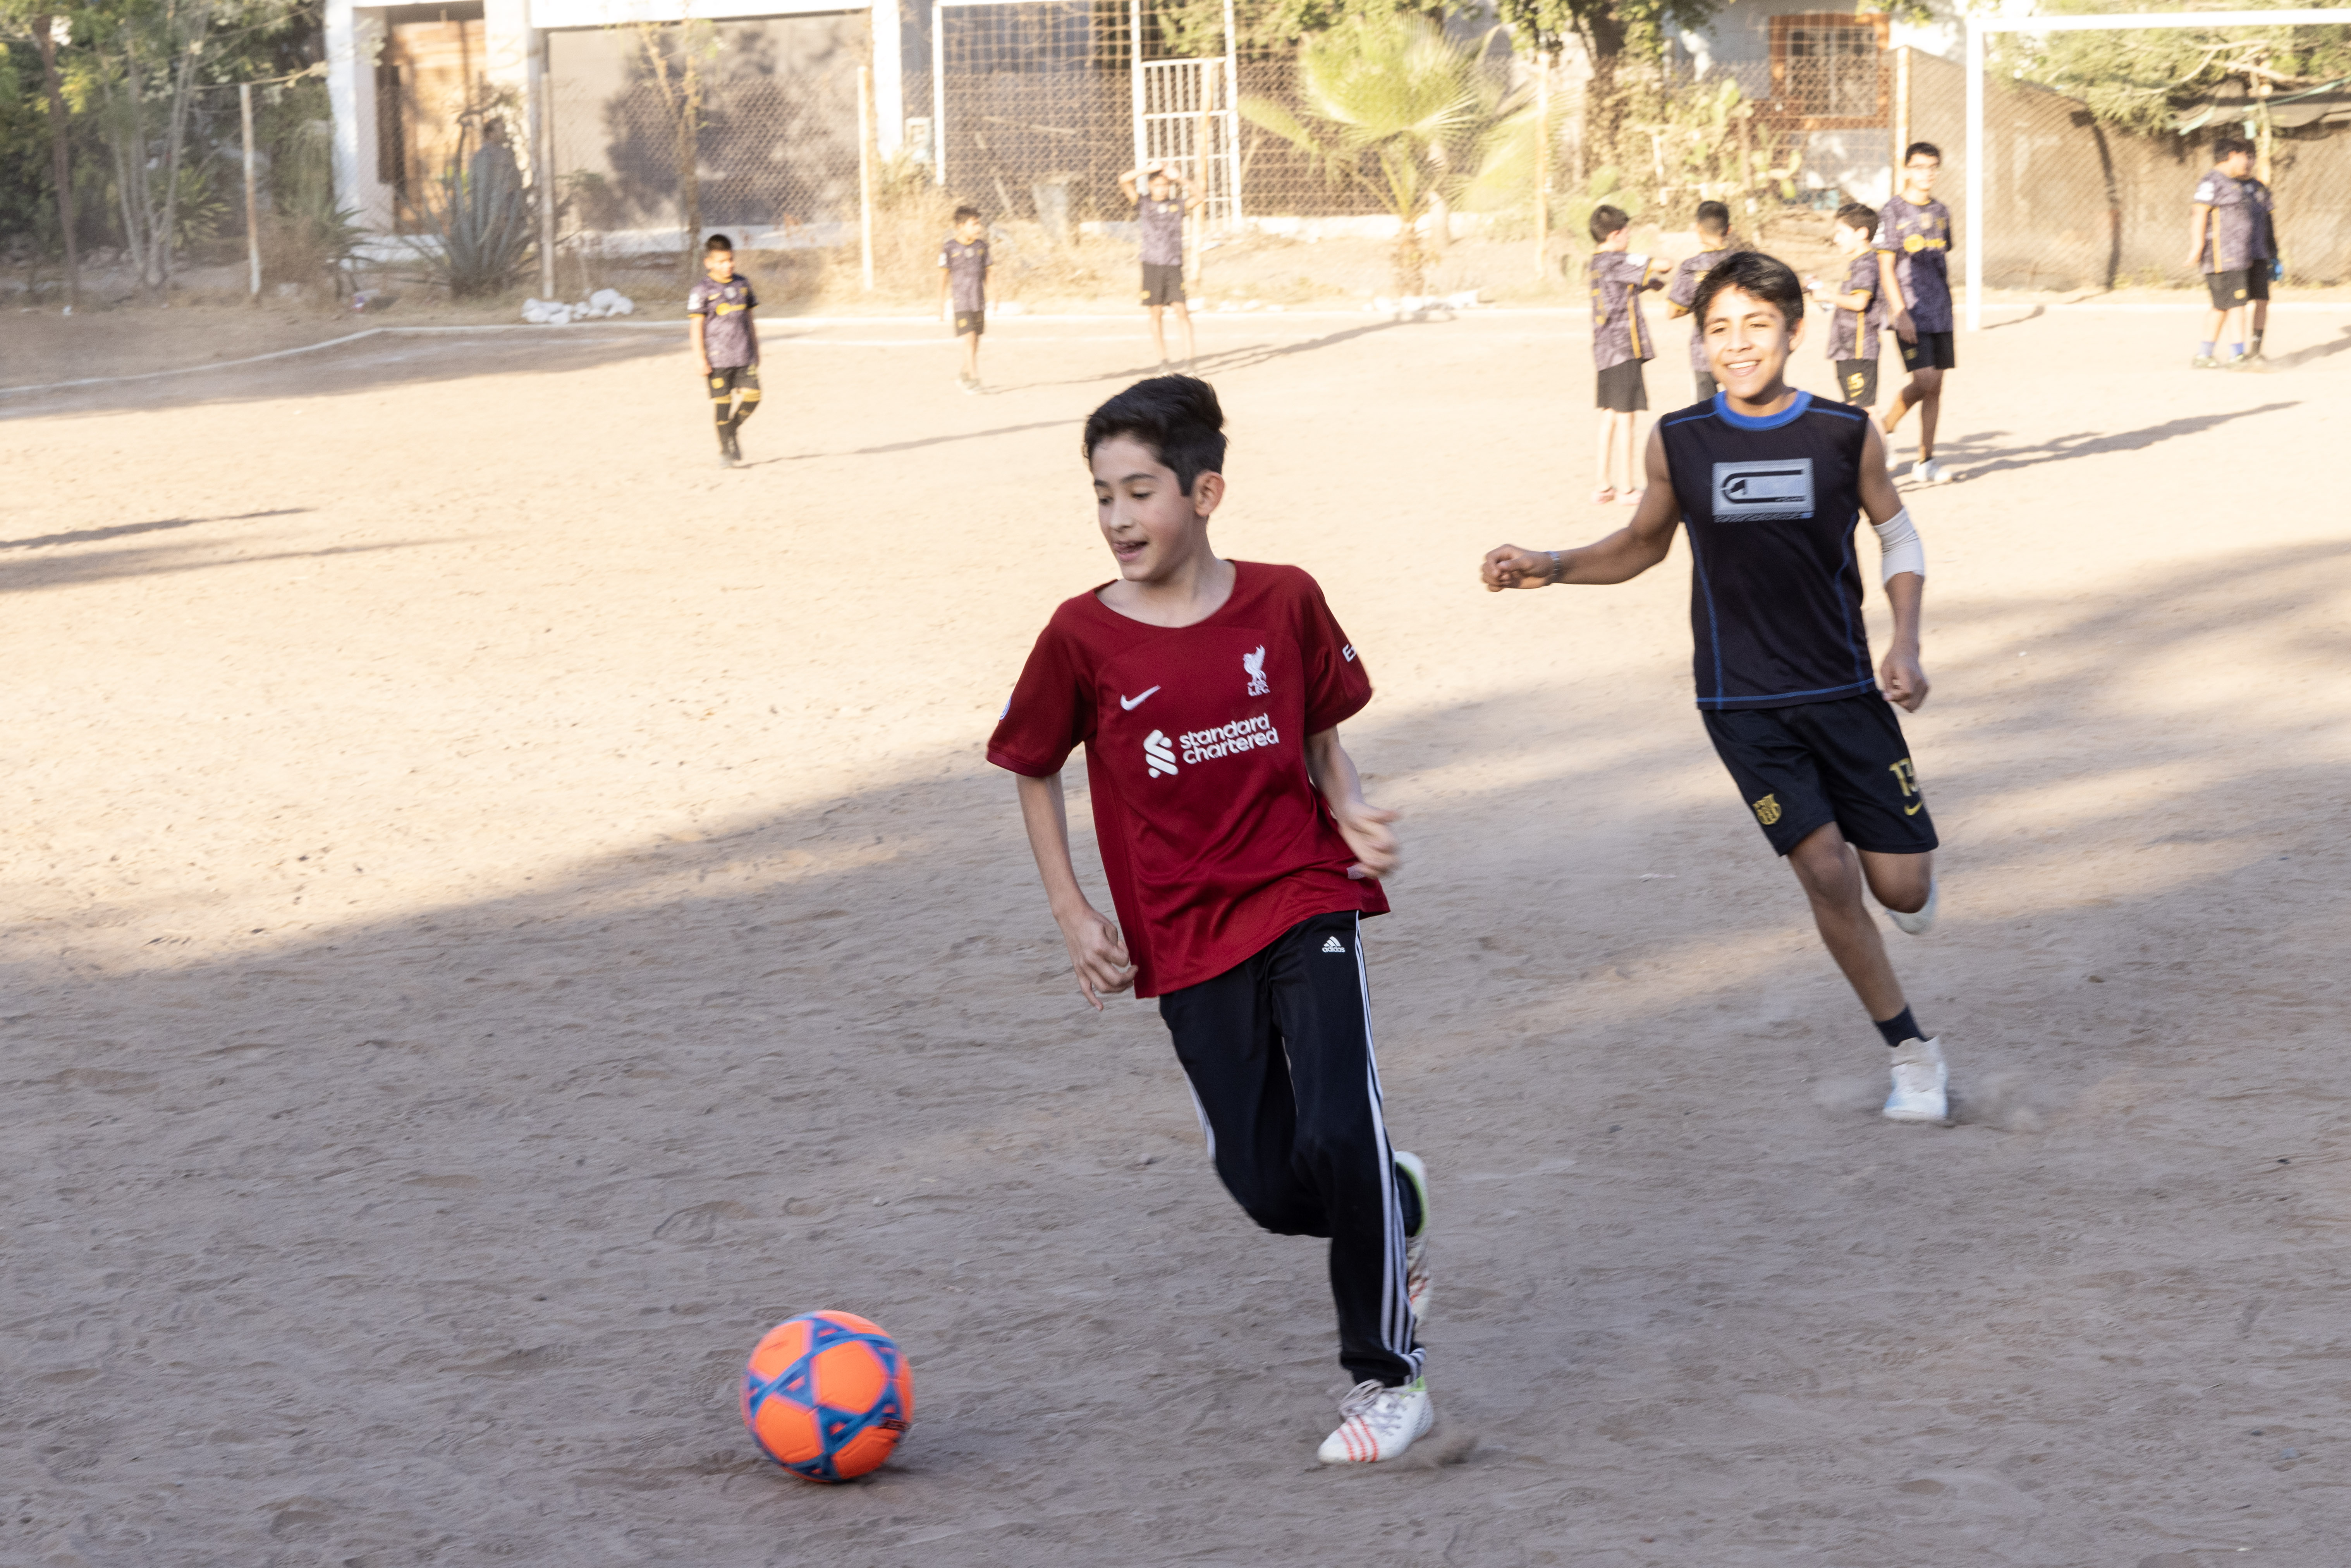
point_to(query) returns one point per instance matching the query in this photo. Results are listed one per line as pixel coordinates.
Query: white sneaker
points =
(1921, 1083)
(1931, 472)
(1923, 921)
(1378, 1423)
(1415, 1246)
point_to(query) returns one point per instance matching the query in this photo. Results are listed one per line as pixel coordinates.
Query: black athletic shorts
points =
(1857, 382)
(1799, 768)
(1622, 389)
(1162, 284)
(1932, 351)
(2231, 289)
(970, 323)
(1705, 387)
(726, 380)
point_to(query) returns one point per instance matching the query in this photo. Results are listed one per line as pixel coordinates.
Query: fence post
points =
(1134, 73)
(542, 125)
(252, 194)
(1977, 156)
(865, 172)
(939, 92)
(1542, 161)
(1901, 114)
(1233, 104)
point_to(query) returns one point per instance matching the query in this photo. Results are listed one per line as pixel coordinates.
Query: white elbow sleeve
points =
(1898, 547)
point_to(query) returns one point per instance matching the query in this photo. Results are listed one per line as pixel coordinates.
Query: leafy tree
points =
(1416, 121)
(2140, 80)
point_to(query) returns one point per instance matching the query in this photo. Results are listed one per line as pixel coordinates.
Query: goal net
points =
(2072, 143)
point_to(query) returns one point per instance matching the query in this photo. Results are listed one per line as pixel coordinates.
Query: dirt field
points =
(502, 911)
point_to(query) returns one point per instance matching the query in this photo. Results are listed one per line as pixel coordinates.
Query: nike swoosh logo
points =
(1131, 704)
(1914, 810)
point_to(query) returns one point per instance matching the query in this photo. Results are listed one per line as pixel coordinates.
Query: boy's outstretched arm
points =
(1366, 827)
(1897, 309)
(1620, 557)
(1097, 955)
(701, 350)
(1899, 674)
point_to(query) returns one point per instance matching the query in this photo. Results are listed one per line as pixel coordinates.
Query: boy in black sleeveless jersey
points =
(1770, 484)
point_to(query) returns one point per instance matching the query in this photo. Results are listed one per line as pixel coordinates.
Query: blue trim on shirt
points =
(1788, 416)
(1713, 621)
(1780, 699)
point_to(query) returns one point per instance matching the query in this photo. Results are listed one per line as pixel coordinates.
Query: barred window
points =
(1827, 70)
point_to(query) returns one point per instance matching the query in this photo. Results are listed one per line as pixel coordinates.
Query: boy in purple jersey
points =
(2267, 269)
(1914, 249)
(1713, 244)
(726, 343)
(1160, 209)
(1857, 310)
(963, 289)
(2223, 230)
(1620, 344)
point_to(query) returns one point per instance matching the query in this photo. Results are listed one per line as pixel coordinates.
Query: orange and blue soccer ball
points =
(827, 1395)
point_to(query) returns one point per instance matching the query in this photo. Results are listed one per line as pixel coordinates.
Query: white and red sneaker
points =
(1376, 1422)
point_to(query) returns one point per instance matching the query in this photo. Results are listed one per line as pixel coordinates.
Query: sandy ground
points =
(501, 911)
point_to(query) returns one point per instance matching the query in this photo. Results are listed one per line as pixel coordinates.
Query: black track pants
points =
(1278, 1050)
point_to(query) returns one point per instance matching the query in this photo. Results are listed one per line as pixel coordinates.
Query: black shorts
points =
(970, 323)
(2231, 289)
(1857, 382)
(1932, 351)
(726, 380)
(1705, 387)
(1162, 284)
(1799, 768)
(1622, 389)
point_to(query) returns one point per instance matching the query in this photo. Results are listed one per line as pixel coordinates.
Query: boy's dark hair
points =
(1606, 220)
(1177, 417)
(1854, 215)
(1761, 276)
(2228, 147)
(962, 213)
(717, 242)
(1713, 219)
(1928, 148)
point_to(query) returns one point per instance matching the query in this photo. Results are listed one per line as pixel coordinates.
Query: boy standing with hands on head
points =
(963, 289)
(1620, 346)
(1713, 244)
(1160, 209)
(1857, 310)
(726, 343)
(1914, 250)
(1241, 859)
(1770, 484)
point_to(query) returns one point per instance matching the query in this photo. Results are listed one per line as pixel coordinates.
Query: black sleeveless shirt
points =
(1775, 595)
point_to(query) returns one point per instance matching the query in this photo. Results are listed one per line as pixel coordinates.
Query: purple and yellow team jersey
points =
(1618, 331)
(1919, 239)
(1853, 334)
(2229, 232)
(726, 329)
(966, 268)
(1683, 291)
(2264, 206)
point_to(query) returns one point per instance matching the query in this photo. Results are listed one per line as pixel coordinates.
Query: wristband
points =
(1554, 578)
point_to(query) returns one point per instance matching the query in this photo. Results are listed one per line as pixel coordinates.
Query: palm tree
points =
(1416, 121)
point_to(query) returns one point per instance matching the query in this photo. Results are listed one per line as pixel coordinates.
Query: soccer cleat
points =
(1929, 471)
(1416, 1243)
(1923, 920)
(2203, 362)
(2251, 364)
(1378, 1423)
(1921, 1083)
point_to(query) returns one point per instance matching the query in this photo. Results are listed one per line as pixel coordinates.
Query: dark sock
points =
(1408, 1196)
(1901, 1026)
(747, 408)
(2257, 340)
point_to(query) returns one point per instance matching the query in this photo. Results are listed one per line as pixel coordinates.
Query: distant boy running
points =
(726, 343)
(1914, 250)
(1713, 244)
(1620, 346)
(1160, 210)
(1242, 860)
(1857, 310)
(963, 289)
(2221, 233)
(1770, 484)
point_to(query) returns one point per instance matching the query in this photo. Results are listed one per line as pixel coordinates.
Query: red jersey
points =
(1212, 836)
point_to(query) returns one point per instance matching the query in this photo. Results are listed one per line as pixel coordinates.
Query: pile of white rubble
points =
(555, 313)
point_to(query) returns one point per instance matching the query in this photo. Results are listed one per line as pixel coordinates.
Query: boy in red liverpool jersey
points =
(1241, 859)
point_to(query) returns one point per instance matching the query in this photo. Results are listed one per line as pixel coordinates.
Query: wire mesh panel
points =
(1189, 124)
(753, 124)
(1035, 106)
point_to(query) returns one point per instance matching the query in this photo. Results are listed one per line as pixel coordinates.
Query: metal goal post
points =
(1980, 28)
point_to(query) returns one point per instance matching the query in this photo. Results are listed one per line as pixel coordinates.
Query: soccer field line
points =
(2339, 306)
